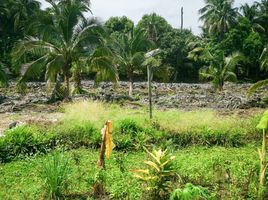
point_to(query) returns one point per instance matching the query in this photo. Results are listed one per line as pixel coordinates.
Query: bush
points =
(129, 126)
(24, 141)
(77, 135)
(20, 142)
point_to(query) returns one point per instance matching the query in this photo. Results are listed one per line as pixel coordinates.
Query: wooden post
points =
(106, 129)
(98, 188)
(149, 74)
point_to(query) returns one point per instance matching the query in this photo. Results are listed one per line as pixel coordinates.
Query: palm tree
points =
(218, 16)
(263, 14)
(130, 52)
(264, 67)
(72, 39)
(23, 9)
(251, 13)
(221, 69)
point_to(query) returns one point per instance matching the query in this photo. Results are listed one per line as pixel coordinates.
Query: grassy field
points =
(198, 165)
(212, 150)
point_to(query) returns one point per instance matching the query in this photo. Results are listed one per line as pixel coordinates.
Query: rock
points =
(15, 124)
(2, 98)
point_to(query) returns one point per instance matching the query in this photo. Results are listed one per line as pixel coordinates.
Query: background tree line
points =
(60, 45)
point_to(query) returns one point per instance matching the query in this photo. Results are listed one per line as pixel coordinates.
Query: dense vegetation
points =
(37, 45)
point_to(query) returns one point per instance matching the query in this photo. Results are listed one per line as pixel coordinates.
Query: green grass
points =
(201, 166)
(82, 121)
(215, 151)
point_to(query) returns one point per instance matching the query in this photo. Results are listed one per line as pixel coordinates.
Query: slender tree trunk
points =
(221, 83)
(67, 86)
(130, 83)
(78, 80)
(66, 74)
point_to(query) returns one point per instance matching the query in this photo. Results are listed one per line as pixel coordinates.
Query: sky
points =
(169, 9)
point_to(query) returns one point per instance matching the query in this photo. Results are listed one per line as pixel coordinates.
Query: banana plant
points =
(263, 125)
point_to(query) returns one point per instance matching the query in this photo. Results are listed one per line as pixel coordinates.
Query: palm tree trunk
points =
(130, 84)
(78, 80)
(67, 86)
(221, 83)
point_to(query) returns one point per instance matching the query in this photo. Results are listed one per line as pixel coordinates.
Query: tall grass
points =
(171, 120)
(56, 173)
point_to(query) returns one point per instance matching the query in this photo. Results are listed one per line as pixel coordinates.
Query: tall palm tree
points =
(71, 40)
(130, 52)
(263, 14)
(218, 16)
(221, 69)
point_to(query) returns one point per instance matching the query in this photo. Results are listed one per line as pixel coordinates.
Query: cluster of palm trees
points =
(60, 44)
(219, 17)
(64, 43)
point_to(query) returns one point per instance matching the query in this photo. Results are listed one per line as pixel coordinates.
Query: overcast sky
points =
(169, 9)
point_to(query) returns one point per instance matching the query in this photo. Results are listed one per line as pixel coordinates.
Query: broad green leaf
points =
(263, 124)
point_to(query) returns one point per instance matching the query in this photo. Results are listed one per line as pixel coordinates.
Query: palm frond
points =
(257, 85)
(230, 76)
(264, 59)
(101, 62)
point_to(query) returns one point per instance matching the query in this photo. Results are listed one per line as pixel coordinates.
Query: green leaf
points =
(263, 124)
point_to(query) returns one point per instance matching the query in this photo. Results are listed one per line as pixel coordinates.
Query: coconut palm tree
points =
(130, 52)
(71, 39)
(221, 69)
(251, 13)
(263, 14)
(218, 16)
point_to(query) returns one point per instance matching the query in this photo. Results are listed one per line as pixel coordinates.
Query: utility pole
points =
(149, 74)
(150, 77)
(181, 18)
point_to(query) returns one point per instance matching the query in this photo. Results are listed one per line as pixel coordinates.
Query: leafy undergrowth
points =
(228, 173)
(82, 121)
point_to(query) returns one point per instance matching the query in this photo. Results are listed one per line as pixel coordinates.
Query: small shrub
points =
(20, 142)
(190, 192)
(55, 172)
(159, 173)
(129, 126)
(77, 135)
(123, 142)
